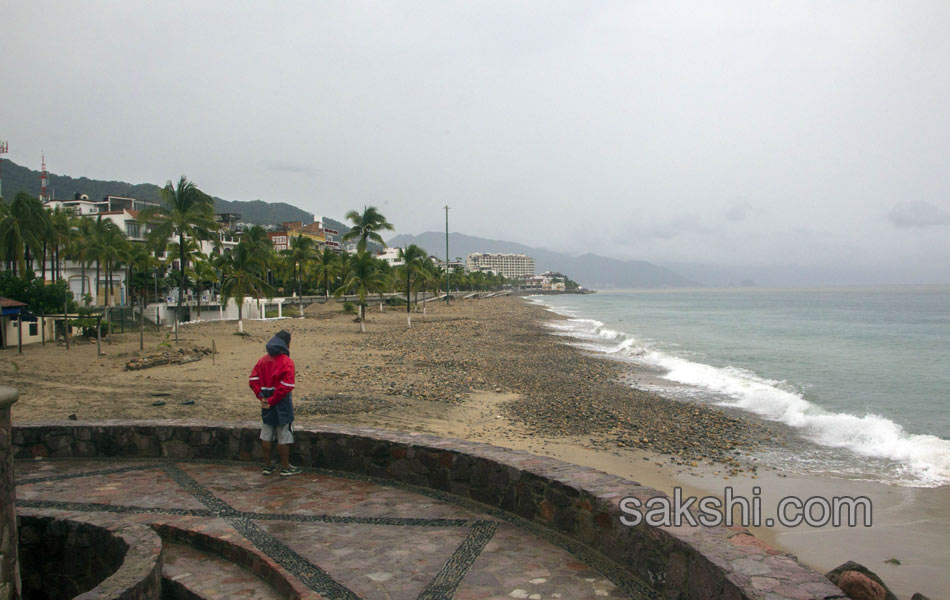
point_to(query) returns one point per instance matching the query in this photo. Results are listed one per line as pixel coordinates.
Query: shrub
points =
(349, 308)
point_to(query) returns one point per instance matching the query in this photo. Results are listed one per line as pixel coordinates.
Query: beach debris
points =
(158, 403)
(892, 561)
(188, 402)
(859, 583)
(169, 357)
(73, 417)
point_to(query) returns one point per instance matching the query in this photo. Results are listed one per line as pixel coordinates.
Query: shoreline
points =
(487, 370)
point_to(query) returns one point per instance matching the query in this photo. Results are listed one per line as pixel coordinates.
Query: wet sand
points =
(485, 370)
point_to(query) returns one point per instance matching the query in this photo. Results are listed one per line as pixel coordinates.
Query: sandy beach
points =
(485, 370)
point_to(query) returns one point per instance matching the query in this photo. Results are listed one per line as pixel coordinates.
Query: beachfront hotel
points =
(510, 266)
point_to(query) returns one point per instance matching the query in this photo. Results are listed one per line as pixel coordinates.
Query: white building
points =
(124, 212)
(391, 256)
(510, 266)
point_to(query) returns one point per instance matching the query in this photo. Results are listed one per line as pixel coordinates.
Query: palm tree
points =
(363, 277)
(366, 226)
(186, 212)
(192, 254)
(24, 225)
(387, 280)
(78, 250)
(241, 276)
(96, 235)
(431, 276)
(413, 262)
(299, 255)
(113, 249)
(61, 228)
(203, 271)
(326, 265)
(140, 260)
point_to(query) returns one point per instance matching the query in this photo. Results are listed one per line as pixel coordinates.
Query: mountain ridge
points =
(589, 269)
(17, 178)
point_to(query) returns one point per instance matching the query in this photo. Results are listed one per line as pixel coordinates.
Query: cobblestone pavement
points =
(232, 532)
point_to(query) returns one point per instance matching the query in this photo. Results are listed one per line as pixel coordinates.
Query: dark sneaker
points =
(291, 470)
(269, 469)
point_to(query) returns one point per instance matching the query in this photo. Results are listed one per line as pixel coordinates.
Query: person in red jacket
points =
(272, 381)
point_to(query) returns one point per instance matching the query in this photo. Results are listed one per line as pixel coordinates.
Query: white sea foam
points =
(925, 459)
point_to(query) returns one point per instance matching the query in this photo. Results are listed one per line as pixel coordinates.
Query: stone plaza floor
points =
(230, 532)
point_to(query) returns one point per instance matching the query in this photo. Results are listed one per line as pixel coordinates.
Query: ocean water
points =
(861, 375)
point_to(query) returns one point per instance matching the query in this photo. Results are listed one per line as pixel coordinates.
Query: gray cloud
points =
(917, 213)
(662, 131)
(288, 167)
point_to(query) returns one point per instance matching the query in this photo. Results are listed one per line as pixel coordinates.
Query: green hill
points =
(17, 178)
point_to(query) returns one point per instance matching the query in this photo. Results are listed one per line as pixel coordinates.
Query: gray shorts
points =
(285, 433)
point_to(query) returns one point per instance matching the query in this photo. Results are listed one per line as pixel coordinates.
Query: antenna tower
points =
(4, 148)
(44, 181)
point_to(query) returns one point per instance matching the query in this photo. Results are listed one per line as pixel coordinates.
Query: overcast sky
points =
(759, 133)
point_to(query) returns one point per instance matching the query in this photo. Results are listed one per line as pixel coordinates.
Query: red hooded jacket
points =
(274, 372)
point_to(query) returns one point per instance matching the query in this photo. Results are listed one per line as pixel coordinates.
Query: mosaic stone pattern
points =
(572, 507)
(320, 534)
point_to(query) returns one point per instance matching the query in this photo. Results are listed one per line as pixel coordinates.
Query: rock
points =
(919, 596)
(73, 417)
(859, 583)
(892, 561)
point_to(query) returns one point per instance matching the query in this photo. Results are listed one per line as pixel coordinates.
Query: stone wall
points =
(9, 574)
(61, 558)
(578, 504)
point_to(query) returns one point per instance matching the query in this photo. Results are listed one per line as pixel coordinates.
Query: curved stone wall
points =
(63, 558)
(9, 573)
(578, 503)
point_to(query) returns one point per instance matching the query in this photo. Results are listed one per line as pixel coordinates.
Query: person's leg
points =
(267, 436)
(284, 439)
(266, 447)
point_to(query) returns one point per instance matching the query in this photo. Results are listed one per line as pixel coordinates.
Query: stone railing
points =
(9, 573)
(578, 504)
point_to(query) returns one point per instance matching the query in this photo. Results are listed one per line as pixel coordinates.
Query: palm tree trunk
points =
(181, 280)
(142, 320)
(82, 284)
(198, 292)
(240, 306)
(362, 318)
(300, 297)
(43, 266)
(97, 282)
(408, 303)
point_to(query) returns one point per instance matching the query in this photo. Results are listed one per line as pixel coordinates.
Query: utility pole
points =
(446, 254)
(4, 148)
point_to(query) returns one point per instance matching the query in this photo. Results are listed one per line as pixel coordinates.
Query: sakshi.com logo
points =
(731, 509)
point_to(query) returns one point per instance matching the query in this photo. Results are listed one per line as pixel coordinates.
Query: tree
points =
(326, 267)
(366, 226)
(112, 249)
(78, 250)
(24, 226)
(241, 276)
(413, 262)
(203, 272)
(363, 277)
(185, 212)
(431, 277)
(299, 255)
(141, 262)
(61, 224)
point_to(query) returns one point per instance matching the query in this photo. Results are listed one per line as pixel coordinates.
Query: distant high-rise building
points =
(510, 266)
